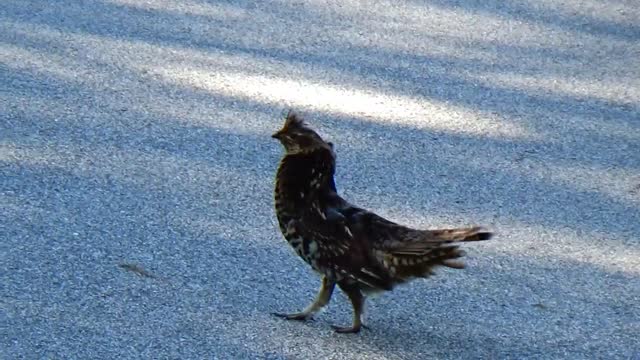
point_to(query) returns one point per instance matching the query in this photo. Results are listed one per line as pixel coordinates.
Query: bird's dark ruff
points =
(348, 246)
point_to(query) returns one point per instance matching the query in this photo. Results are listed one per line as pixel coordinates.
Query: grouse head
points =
(297, 137)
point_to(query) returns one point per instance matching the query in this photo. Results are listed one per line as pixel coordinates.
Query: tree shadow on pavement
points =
(177, 179)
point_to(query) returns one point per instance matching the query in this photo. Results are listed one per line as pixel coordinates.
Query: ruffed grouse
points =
(356, 249)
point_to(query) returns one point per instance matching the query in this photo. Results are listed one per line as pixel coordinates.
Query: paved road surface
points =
(136, 174)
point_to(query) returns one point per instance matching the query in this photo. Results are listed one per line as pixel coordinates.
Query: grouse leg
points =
(357, 301)
(322, 299)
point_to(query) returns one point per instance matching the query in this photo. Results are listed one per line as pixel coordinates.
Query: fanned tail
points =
(427, 249)
(463, 234)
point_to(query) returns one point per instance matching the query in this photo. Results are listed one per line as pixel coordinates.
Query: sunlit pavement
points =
(136, 174)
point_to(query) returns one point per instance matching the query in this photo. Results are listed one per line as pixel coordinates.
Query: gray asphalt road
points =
(136, 174)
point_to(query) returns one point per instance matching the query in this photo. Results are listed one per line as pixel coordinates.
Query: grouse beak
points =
(276, 135)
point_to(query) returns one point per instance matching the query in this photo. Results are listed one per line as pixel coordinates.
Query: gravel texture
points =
(136, 174)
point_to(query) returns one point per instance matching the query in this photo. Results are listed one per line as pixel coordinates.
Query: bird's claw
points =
(294, 316)
(349, 329)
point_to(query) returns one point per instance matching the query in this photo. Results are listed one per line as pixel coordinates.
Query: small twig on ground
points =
(137, 269)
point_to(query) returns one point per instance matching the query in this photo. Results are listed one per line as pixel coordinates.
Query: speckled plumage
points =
(348, 246)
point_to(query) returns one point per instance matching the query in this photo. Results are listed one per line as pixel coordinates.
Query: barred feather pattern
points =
(354, 248)
(345, 242)
(401, 252)
(326, 243)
